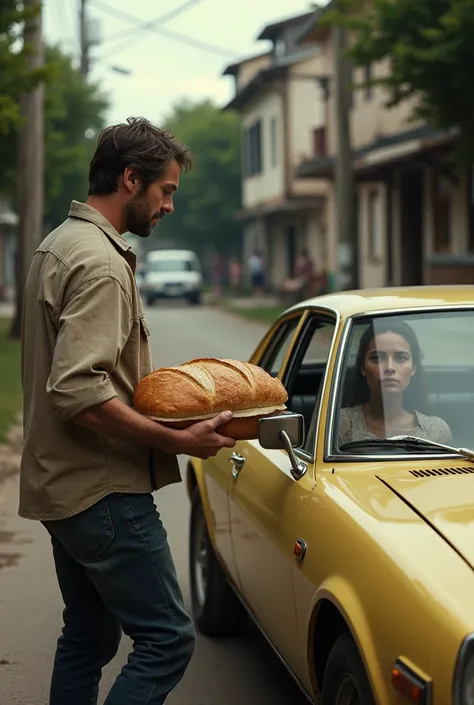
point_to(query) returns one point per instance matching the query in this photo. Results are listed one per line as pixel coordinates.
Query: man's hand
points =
(116, 420)
(201, 440)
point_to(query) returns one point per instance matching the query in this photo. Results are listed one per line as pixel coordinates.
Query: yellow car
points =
(346, 532)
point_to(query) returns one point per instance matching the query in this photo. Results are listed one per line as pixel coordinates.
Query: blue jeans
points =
(116, 573)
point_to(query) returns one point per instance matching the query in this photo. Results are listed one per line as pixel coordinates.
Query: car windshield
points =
(407, 375)
(170, 265)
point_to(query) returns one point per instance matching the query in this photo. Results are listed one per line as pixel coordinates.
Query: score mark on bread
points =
(201, 388)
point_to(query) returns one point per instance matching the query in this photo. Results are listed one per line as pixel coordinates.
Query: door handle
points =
(238, 462)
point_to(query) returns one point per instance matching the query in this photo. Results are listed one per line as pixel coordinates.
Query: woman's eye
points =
(402, 357)
(376, 357)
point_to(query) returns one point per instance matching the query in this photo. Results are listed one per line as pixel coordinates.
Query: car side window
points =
(277, 349)
(307, 371)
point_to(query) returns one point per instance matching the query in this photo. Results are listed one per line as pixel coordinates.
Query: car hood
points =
(445, 499)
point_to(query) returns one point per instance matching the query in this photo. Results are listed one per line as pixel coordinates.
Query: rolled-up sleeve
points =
(93, 328)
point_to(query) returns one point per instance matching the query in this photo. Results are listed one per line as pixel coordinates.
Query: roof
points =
(288, 205)
(255, 85)
(232, 69)
(271, 31)
(350, 303)
(381, 151)
(310, 31)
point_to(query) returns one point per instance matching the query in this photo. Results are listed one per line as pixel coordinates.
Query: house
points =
(8, 239)
(279, 94)
(415, 210)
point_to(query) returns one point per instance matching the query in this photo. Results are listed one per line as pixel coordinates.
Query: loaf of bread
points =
(200, 389)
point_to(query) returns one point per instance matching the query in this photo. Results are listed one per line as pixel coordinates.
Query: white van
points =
(172, 274)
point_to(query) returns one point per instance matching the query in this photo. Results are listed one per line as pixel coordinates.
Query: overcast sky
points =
(163, 70)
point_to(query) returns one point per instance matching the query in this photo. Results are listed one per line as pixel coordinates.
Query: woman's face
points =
(388, 365)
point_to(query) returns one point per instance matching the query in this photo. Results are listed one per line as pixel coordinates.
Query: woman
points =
(390, 398)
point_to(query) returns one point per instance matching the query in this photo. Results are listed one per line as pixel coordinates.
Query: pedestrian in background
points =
(217, 275)
(305, 272)
(90, 463)
(235, 275)
(257, 276)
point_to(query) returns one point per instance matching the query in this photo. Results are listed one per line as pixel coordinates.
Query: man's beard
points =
(137, 220)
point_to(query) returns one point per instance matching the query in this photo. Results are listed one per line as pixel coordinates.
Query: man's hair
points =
(136, 144)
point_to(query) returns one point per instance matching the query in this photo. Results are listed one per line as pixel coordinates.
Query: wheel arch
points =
(334, 613)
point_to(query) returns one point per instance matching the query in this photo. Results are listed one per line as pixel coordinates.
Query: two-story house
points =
(280, 97)
(414, 208)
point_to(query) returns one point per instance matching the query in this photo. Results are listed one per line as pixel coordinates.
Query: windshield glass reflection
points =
(408, 375)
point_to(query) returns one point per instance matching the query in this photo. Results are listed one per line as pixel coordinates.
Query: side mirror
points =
(284, 432)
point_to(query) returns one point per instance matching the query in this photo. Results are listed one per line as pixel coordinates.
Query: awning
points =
(291, 205)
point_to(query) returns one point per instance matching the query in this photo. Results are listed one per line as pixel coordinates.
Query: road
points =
(223, 672)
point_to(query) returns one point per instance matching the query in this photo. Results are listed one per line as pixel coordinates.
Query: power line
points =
(167, 17)
(175, 36)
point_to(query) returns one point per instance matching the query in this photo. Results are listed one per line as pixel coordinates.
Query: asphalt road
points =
(224, 672)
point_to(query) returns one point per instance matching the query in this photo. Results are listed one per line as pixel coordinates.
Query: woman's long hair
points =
(415, 396)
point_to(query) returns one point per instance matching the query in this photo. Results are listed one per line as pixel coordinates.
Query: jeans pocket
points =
(86, 535)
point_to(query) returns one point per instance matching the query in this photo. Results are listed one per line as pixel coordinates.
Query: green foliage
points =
(431, 52)
(10, 398)
(72, 106)
(15, 77)
(210, 194)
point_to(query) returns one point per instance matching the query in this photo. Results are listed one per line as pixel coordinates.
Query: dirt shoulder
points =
(10, 452)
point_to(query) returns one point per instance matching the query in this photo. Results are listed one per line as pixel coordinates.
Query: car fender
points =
(337, 590)
(195, 478)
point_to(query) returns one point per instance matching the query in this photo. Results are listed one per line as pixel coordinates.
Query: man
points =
(90, 463)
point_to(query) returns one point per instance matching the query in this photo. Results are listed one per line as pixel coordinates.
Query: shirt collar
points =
(85, 212)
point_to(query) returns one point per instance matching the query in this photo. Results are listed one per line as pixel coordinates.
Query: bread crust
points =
(240, 429)
(204, 387)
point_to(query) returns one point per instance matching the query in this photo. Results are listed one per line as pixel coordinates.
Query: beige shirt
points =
(85, 340)
(352, 427)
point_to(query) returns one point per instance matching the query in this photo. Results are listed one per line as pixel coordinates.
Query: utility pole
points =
(84, 39)
(347, 228)
(31, 161)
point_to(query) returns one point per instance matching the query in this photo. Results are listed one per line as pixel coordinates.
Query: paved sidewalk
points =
(7, 309)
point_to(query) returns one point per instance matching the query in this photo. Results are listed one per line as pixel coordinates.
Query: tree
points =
(209, 195)
(73, 107)
(15, 77)
(74, 112)
(430, 49)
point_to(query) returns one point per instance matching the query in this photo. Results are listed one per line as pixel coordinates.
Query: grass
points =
(10, 381)
(265, 314)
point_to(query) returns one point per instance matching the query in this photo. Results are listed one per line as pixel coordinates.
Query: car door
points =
(218, 470)
(266, 501)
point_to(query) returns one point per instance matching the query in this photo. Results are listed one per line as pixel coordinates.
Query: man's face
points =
(148, 206)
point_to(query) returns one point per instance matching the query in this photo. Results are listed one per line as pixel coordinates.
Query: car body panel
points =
(378, 538)
(432, 604)
(352, 303)
(266, 504)
(217, 482)
(446, 502)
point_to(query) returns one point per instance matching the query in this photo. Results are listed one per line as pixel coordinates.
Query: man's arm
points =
(116, 420)
(93, 329)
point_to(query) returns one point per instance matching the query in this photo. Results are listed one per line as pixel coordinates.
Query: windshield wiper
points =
(410, 443)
